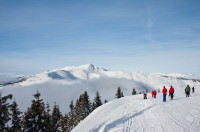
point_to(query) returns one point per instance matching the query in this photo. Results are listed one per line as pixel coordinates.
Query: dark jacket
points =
(187, 89)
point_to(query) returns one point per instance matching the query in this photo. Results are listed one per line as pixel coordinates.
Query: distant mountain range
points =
(66, 84)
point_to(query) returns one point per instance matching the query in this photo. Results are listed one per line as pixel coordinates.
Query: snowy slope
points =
(66, 84)
(7, 80)
(132, 113)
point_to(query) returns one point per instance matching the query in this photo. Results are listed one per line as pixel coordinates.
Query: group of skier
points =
(171, 92)
(187, 90)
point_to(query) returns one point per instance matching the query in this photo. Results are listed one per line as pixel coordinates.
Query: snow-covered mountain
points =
(66, 84)
(8, 80)
(134, 114)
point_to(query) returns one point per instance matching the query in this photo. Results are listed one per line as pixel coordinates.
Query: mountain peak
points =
(89, 66)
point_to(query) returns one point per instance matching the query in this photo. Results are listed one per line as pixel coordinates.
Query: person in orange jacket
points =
(171, 92)
(164, 94)
(154, 93)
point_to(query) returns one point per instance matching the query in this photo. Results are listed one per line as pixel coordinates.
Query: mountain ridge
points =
(66, 84)
(89, 71)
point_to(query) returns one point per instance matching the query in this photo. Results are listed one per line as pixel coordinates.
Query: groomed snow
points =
(134, 114)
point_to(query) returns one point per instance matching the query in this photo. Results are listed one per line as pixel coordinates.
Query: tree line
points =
(39, 118)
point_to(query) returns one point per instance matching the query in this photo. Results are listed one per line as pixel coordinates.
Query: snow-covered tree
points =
(34, 118)
(82, 108)
(60, 125)
(79, 111)
(56, 115)
(66, 123)
(16, 117)
(71, 116)
(4, 111)
(48, 118)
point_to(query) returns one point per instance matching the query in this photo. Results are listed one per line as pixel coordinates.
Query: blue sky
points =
(130, 35)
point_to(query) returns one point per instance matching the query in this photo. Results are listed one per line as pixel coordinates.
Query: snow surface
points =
(66, 84)
(134, 114)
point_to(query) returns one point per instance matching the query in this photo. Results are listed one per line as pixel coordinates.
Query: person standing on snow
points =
(145, 96)
(154, 93)
(164, 94)
(171, 92)
(187, 91)
(193, 89)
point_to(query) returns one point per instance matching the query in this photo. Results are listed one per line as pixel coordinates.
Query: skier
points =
(154, 93)
(164, 94)
(145, 96)
(187, 91)
(193, 89)
(146, 90)
(171, 92)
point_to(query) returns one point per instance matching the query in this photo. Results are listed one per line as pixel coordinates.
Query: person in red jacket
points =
(164, 94)
(171, 92)
(145, 96)
(154, 93)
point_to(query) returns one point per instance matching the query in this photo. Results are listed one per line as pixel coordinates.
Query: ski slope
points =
(134, 114)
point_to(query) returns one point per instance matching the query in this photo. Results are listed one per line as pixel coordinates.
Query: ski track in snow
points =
(152, 115)
(128, 114)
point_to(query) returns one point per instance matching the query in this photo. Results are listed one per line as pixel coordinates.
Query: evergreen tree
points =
(87, 104)
(66, 127)
(61, 124)
(105, 101)
(78, 110)
(119, 93)
(48, 119)
(71, 116)
(34, 119)
(56, 115)
(83, 108)
(16, 117)
(97, 101)
(4, 111)
(93, 106)
(134, 92)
